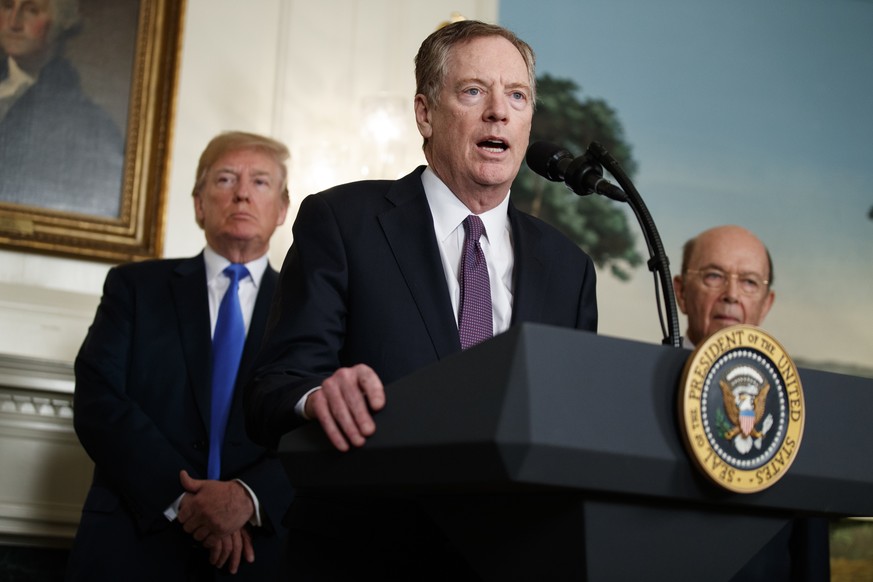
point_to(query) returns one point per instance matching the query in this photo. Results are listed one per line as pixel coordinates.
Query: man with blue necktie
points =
(179, 491)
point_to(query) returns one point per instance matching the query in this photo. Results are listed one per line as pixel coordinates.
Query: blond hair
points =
(233, 141)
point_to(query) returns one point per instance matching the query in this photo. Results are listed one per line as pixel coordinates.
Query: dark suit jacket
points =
(141, 405)
(363, 283)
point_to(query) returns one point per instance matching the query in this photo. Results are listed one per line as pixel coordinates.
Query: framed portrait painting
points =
(87, 90)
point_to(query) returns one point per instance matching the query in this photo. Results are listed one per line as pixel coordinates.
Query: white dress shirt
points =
(449, 214)
(216, 285)
(13, 86)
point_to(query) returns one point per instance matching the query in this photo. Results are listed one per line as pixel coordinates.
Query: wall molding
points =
(46, 471)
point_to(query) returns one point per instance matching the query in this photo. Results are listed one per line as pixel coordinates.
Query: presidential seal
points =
(741, 409)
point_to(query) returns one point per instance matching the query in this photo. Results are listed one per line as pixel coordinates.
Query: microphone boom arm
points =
(658, 261)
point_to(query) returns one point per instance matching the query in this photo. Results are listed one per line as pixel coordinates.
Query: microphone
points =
(583, 175)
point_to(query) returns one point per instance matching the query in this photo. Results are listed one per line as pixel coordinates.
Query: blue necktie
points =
(227, 348)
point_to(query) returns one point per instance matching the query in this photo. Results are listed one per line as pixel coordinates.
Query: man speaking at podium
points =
(385, 277)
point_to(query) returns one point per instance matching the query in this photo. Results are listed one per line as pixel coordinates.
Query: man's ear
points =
(679, 290)
(422, 116)
(768, 303)
(283, 212)
(198, 210)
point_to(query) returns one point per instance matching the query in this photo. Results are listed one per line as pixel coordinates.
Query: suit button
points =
(199, 445)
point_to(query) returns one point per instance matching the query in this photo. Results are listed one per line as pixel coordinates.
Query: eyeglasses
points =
(749, 283)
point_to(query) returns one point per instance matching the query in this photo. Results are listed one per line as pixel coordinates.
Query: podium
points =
(554, 454)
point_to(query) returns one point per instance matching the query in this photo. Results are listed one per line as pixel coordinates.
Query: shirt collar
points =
(16, 80)
(449, 212)
(215, 264)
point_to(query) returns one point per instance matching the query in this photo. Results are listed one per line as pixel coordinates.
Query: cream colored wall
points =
(299, 70)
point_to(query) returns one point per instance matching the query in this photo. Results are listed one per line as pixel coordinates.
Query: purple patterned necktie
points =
(474, 313)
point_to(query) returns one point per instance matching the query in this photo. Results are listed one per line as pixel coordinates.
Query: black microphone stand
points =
(658, 261)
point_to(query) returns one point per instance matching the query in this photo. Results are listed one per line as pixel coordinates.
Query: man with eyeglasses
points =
(726, 279)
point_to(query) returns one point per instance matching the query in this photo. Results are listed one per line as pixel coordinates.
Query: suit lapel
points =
(192, 310)
(531, 269)
(254, 337)
(192, 306)
(258, 323)
(408, 226)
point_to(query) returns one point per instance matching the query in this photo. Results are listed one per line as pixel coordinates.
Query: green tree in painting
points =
(595, 223)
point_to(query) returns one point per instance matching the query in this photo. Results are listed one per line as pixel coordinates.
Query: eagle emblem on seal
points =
(744, 392)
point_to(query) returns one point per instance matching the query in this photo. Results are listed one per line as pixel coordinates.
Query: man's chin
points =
(718, 324)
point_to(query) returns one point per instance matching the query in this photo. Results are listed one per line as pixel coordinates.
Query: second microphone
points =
(583, 174)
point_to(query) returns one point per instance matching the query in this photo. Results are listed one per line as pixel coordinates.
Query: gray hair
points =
(67, 19)
(431, 62)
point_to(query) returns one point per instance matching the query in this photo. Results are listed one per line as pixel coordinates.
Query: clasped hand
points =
(215, 513)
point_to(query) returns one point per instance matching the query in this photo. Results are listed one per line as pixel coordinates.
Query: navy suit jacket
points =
(142, 403)
(364, 283)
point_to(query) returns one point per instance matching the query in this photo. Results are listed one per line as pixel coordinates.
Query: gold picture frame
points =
(135, 230)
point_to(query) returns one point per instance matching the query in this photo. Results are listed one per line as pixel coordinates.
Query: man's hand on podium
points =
(343, 403)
